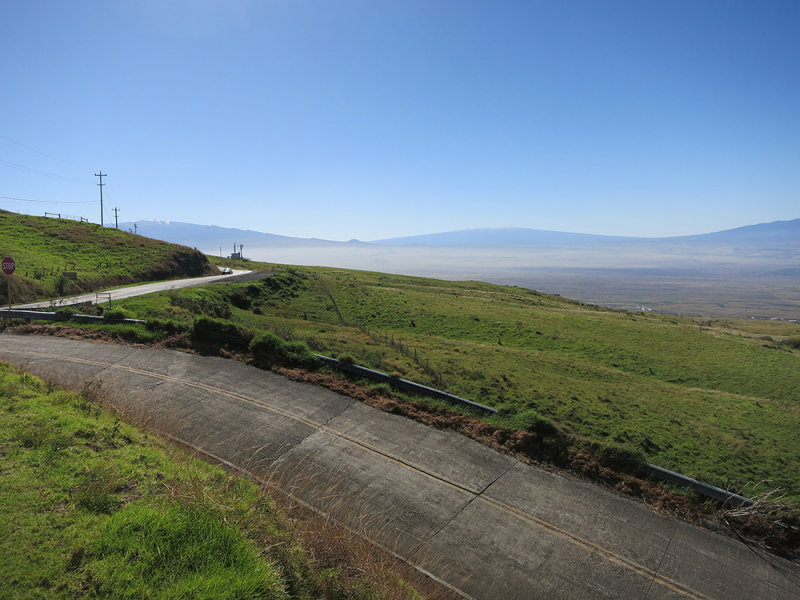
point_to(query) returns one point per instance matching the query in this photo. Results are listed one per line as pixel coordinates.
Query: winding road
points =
(133, 290)
(484, 524)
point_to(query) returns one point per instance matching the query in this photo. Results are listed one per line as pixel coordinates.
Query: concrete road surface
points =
(483, 523)
(131, 291)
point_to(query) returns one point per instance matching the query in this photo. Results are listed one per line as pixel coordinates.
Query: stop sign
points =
(9, 265)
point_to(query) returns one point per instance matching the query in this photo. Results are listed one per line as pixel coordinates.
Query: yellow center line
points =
(499, 505)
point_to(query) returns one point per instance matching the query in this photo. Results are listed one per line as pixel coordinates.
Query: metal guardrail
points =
(55, 316)
(704, 489)
(404, 384)
(699, 487)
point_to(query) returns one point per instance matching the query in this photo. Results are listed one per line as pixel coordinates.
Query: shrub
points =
(268, 350)
(792, 343)
(240, 300)
(620, 458)
(63, 285)
(298, 354)
(96, 493)
(347, 359)
(113, 314)
(166, 326)
(224, 333)
(532, 422)
(204, 305)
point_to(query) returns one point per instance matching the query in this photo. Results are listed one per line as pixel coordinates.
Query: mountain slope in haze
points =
(500, 236)
(214, 236)
(775, 232)
(210, 237)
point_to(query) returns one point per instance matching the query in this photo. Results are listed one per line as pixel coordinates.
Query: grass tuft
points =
(176, 552)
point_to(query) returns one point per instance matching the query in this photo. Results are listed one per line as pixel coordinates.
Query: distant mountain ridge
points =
(499, 236)
(777, 231)
(213, 238)
(210, 237)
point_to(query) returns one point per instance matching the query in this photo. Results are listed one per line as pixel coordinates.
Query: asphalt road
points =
(483, 523)
(134, 290)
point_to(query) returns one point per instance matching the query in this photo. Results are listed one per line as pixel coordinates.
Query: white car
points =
(226, 271)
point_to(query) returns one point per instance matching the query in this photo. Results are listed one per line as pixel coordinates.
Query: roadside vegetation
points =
(95, 507)
(715, 400)
(47, 250)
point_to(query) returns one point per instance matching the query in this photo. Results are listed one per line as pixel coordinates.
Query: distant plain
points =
(721, 283)
(749, 272)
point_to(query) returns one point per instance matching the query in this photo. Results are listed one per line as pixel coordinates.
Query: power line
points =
(47, 201)
(20, 167)
(33, 151)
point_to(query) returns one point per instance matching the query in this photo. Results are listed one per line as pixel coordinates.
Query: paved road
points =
(134, 290)
(487, 525)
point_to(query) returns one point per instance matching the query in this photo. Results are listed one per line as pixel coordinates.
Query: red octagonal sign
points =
(9, 265)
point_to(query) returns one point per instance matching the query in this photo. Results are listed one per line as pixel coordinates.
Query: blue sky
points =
(370, 119)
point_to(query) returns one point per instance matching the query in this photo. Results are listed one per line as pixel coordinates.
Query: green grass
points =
(44, 248)
(717, 400)
(95, 507)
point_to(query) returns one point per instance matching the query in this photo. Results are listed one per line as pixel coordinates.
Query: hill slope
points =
(44, 249)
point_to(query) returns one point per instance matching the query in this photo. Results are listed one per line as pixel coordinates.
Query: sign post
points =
(9, 266)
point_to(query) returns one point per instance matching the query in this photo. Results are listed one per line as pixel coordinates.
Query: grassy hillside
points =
(94, 507)
(45, 248)
(717, 400)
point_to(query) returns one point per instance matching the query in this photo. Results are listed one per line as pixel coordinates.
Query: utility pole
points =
(116, 218)
(101, 184)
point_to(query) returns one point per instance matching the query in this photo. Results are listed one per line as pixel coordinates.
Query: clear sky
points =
(369, 119)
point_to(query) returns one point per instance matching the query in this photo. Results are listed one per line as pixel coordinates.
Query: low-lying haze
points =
(748, 272)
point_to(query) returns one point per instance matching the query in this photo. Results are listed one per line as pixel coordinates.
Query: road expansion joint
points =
(419, 548)
(657, 570)
(398, 460)
(510, 466)
(473, 496)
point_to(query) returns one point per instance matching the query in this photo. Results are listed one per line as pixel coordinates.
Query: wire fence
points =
(69, 217)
